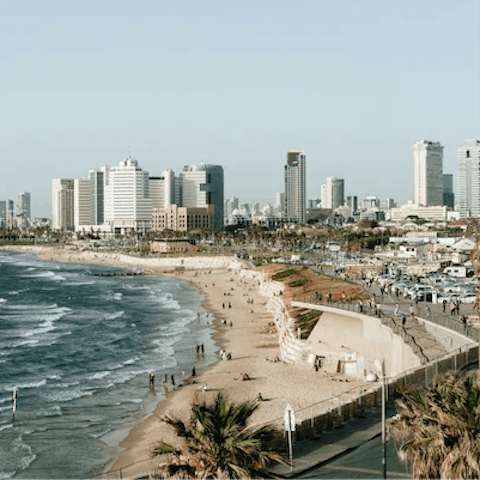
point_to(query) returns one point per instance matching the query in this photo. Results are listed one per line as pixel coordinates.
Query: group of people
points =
(224, 355)
(151, 377)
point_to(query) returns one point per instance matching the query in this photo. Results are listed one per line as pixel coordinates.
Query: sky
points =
(354, 84)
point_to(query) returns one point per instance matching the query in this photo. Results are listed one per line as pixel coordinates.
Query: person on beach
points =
(197, 348)
(165, 376)
(229, 305)
(172, 379)
(202, 348)
(193, 371)
(183, 375)
(223, 306)
(152, 379)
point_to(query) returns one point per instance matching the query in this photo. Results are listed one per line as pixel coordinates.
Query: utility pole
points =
(384, 436)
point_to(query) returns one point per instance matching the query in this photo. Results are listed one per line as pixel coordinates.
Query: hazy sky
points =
(353, 83)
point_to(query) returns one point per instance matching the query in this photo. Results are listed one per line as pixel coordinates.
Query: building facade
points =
(126, 197)
(428, 168)
(448, 195)
(63, 217)
(468, 194)
(202, 185)
(295, 187)
(81, 202)
(182, 219)
(24, 205)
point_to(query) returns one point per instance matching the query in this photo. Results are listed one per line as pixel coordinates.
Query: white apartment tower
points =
(126, 200)
(81, 202)
(468, 196)
(62, 204)
(428, 158)
(202, 185)
(333, 193)
(295, 186)
(24, 205)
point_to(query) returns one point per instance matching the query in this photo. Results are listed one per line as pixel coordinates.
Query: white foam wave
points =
(114, 315)
(99, 375)
(5, 475)
(6, 427)
(54, 411)
(24, 342)
(27, 460)
(6, 399)
(64, 385)
(98, 435)
(47, 275)
(131, 361)
(68, 395)
(3, 300)
(36, 308)
(3, 409)
(117, 296)
(21, 386)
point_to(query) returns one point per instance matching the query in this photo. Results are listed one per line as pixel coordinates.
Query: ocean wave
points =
(117, 296)
(64, 385)
(21, 386)
(8, 407)
(5, 475)
(3, 300)
(98, 435)
(54, 411)
(68, 395)
(114, 315)
(27, 460)
(99, 375)
(49, 275)
(16, 292)
(35, 307)
(5, 427)
(6, 399)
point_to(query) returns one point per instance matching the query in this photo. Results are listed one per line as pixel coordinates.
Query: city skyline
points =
(207, 84)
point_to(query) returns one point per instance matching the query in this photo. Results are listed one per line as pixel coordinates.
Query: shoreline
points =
(251, 340)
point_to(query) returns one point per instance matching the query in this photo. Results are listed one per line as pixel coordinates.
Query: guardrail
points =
(397, 328)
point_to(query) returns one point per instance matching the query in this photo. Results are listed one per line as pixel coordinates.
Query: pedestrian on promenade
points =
(469, 324)
(453, 307)
(316, 296)
(404, 320)
(320, 297)
(444, 305)
(360, 306)
(397, 309)
(412, 310)
(463, 319)
(457, 307)
(429, 311)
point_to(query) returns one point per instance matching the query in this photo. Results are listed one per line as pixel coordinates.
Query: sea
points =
(79, 349)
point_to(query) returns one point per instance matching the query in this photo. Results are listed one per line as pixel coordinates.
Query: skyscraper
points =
(24, 205)
(81, 202)
(335, 192)
(468, 196)
(97, 195)
(127, 204)
(428, 158)
(62, 204)
(295, 186)
(202, 185)
(448, 195)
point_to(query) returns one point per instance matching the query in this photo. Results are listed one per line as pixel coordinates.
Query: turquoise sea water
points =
(79, 349)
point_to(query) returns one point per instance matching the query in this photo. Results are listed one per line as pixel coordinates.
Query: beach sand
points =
(251, 340)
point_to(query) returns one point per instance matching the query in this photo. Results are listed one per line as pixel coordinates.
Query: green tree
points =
(217, 443)
(439, 427)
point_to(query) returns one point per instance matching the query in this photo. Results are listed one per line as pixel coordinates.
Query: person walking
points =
(360, 306)
(193, 371)
(404, 320)
(202, 348)
(165, 376)
(457, 307)
(428, 311)
(152, 379)
(453, 307)
(397, 309)
(412, 311)
(444, 305)
(197, 348)
(172, 379)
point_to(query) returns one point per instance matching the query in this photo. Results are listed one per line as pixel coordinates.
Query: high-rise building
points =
(352, 202)
(279, 204)
(127, 204)
(63, 204)
(202, 185)
(295, 186)
(335, 192)
(428, 158)
(448, 195)
(468, 195)
(24, 205)
(81, 202)
(97, 195)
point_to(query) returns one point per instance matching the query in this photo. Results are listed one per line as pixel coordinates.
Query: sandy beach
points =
(245, 330)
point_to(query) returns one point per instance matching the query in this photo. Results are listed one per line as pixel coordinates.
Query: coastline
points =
(251, 341)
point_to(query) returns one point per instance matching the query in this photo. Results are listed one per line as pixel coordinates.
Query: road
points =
(363, 462)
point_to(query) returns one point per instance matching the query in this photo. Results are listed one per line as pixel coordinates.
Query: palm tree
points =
(439, 427)
(218, 443)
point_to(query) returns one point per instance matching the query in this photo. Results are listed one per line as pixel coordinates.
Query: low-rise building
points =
(182, 219)
(173, 245)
